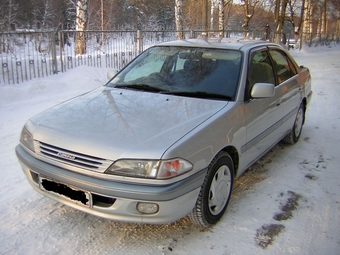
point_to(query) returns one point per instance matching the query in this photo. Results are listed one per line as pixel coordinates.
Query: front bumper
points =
(117, 200)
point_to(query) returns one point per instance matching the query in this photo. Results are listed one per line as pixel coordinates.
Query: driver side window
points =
(260, 71)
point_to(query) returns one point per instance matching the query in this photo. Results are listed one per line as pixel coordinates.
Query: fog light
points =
(147, 208)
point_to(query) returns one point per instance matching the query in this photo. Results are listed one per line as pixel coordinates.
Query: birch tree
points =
(323, 23)
(81, 22)
(280, 14)
(9, 14)
(204, 14)
(47, 14)
(222, 4)
(336, 8)
(248, 10)
(213, 11)
(307, 21)
(221, 17)
(179, 18)
(292, 14)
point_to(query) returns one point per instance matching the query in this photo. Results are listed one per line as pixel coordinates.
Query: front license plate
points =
(65, 191)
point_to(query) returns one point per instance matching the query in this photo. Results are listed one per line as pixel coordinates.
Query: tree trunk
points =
(249, 10)
(307, 23)
(324, 19)
(81, 23)
(298, 27)
(179, 18)
(221, 17)
(213, 8)
(204, 14)
(280, 14)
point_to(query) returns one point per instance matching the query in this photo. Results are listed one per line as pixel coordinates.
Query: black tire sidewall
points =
(296, 138)
(220, 160)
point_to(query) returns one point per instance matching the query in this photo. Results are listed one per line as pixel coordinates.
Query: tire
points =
(293, 136)
(215, 192)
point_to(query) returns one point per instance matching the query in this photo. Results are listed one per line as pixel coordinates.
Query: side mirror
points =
(111, 74)
(262, 90)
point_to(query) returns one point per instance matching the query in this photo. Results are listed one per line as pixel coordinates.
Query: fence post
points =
(54, 54)
(61, 44)
(139, 41)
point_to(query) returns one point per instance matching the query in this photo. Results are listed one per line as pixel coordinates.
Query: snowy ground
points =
(287, 203)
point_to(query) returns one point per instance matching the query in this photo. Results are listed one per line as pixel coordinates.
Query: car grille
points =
(60, 155)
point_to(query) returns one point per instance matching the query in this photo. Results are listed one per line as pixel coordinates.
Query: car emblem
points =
(66, 156)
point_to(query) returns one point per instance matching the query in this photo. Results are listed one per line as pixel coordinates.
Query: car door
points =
(263, 115)
(288, 87)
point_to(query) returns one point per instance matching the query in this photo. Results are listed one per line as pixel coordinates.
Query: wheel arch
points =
(232, 151)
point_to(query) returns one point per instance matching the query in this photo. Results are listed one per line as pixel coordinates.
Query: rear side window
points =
(283, 66)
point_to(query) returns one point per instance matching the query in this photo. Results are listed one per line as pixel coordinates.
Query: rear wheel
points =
(215, 191)
(293, 136)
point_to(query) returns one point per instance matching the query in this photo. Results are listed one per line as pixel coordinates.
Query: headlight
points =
(159, 169)
(134, 168)
(27, 139)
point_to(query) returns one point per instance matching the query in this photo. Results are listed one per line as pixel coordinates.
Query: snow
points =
(287, 203)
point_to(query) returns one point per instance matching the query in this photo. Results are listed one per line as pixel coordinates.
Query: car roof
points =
(220, 43)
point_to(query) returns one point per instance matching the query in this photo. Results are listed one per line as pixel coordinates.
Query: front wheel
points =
(215, 191)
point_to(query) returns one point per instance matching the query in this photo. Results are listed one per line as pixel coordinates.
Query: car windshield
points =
(195, 72)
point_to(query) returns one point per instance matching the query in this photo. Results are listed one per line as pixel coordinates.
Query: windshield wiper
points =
(198, 94)
(143, 87)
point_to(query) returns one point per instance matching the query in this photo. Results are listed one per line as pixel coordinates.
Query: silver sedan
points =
(168, 134)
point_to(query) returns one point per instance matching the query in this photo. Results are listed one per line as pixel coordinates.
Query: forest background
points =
(39, 38)
(293, 17)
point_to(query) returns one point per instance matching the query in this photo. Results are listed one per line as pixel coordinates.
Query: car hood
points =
(118, 123)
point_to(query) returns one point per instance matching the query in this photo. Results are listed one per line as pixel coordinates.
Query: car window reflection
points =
(178, 69)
